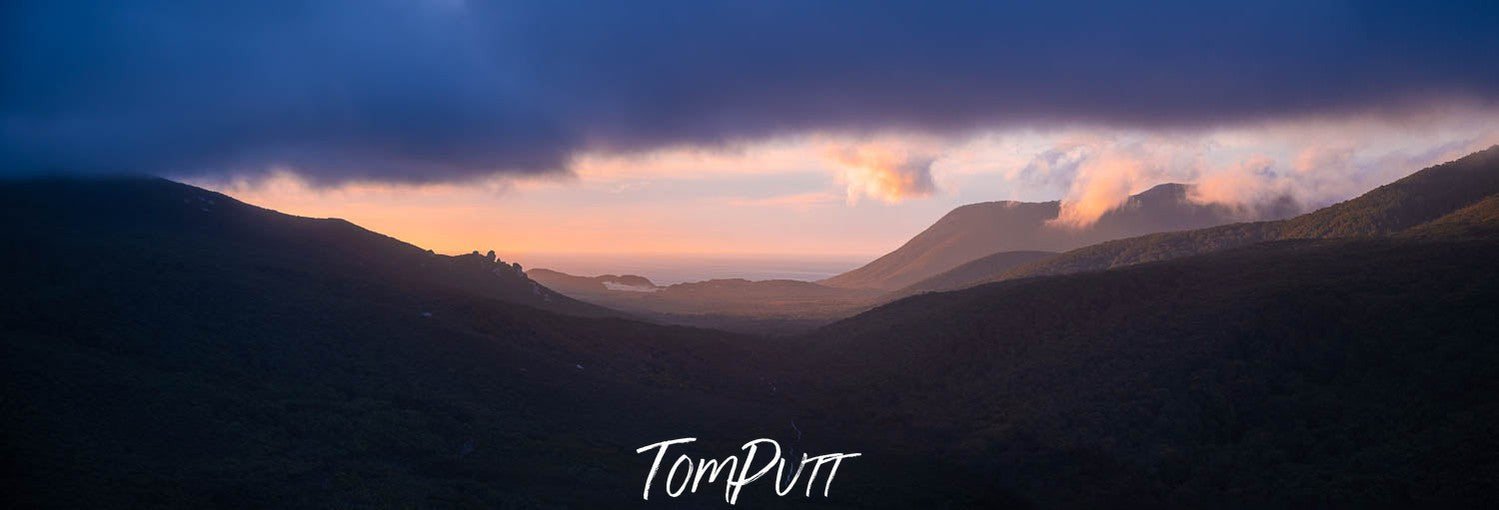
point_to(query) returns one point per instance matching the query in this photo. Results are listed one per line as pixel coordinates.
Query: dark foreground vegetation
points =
(160, 351)
(766, 307)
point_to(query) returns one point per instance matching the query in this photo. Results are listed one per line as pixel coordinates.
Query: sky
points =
(812, 129)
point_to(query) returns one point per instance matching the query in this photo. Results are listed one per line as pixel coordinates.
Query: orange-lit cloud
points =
(1321, 164)
(884, 171)
(1105, 172)
(1305, 163)
(1244, 184)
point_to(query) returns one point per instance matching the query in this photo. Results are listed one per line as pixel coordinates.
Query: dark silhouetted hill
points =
(1290, 373)
(165, 214)
(164, 346)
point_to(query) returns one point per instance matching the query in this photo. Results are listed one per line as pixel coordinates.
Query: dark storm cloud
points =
(443, 90)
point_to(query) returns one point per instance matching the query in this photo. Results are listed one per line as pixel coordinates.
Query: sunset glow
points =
(826, 195)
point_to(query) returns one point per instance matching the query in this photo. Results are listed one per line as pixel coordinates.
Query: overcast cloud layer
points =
(430, 91)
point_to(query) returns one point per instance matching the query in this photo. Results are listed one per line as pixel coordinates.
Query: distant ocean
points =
(672, 269)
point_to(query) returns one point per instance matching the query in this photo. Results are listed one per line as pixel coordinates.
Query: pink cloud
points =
(888, 172)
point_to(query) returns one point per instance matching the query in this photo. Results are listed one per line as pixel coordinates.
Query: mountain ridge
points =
(155, 208)
(973, 231)
(1421, 197)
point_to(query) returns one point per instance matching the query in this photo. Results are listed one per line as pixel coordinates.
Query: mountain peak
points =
(1169, 190)
(973, 231)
